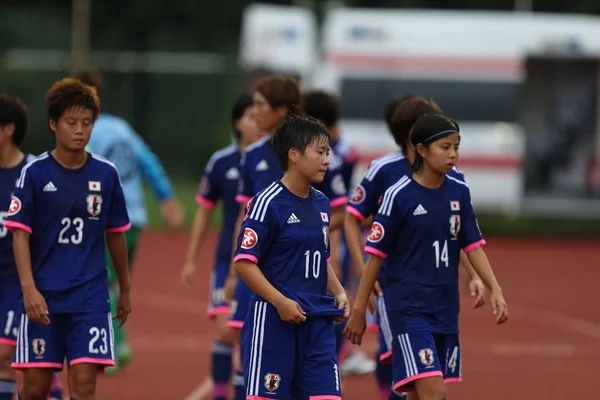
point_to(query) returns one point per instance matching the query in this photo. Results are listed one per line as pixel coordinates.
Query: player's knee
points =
(6, 356)
(34, 392)
(82, 383)
(433, 394)
(224, 334)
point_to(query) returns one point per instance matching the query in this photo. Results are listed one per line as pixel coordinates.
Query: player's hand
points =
(289, 311)
(36, 307)
(172, 212)
(356, 326)
(188, 272)
(123, 308)
(499, 307)
(477, 289)
(229, 288)
(341, 301)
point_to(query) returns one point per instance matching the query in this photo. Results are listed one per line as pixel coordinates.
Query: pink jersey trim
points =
(475, 245)
(248, 397)
(235, 324)
(340, 201)
(240, 198)
(375, 252)
(89, 360)
(372, 327)
(248, 257)
(452, 380)
(13, 226)
(8, 342)
(413, 378)
(328, 260)
(119, 229)
(386, 358)
(355, 212)
(325, 397)
(220, 310)
(22, 366)
(204, 202)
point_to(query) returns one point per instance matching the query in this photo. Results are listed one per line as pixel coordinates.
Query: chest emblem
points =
(454, 225)
(94, 204)
(326, 237)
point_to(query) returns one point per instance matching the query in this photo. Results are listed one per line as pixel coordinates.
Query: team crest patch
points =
(39, 347)
(376, 233)
(15, 206)
(272, 382)
(454, 225)
(249, 239)
(94, 204)
(326, 236)
(426, 356)
(359, 195)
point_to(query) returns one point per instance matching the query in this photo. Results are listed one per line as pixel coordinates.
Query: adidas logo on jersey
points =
(420, 210)
(262, 166)
(293, 219)
(50, 187)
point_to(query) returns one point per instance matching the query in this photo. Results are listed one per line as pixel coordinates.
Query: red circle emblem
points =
(376, 233)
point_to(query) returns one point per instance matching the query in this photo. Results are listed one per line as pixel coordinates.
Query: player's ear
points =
(9, 129)
(293, 155)
(52, 125)
(421, 149)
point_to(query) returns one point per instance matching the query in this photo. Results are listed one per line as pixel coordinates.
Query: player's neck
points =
(10, 156)
(69, 159)
(410, 156)
(296, 184)
(429, 179)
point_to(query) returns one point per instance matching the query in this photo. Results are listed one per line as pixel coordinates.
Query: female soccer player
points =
(220, 182)
(14, 122)
(274, 97)
(64, 204)
(424, 221)
(288, 339)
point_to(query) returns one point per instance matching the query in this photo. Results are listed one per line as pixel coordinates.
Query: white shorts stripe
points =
(405, 356)
(258, 335)
(26, 340)
(111, 337)
(411, 354)
(384, 322)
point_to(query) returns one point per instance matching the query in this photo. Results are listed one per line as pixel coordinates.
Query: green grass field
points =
(489, 223)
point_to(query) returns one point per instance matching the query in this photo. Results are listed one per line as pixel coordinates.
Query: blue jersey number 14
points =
(440, 256)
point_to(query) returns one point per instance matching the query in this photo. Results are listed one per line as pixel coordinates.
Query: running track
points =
(549, 349)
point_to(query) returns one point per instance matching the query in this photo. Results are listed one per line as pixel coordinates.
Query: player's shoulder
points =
(383, 164)
(255, 149)
(29, 157)
(457, 173)
(100, 163)
(36, 162)
(222, 156)
(266, 201)
(319, 196)
(397, 193)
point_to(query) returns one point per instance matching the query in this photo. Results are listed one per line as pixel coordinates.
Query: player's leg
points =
(90, 349)
(39, 353)
(318, 373)
(416, 365)
(448, 347)
(113, 290)
(239, 309)
(383, 372)
(56, 388)
(269, 353)
(222, 346)
(9, 328)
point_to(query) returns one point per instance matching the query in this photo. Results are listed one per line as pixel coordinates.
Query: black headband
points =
(437, 136)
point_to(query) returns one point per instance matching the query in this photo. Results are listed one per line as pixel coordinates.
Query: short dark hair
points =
(405, 116)
(68, 93)
(429, 128)
(297, 131)
(14, 111)
(323, 106)
(280, 91)
(91, 78)
(241, 104)
(391, 108)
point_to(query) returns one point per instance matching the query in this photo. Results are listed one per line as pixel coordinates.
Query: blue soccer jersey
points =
(420, 232)
(348, 153)
(259, 168)
(288, 238)
(67, 212)
(220, 183)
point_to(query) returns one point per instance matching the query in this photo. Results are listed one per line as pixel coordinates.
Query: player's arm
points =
(472, 242)
(116, 226)
(476, 286)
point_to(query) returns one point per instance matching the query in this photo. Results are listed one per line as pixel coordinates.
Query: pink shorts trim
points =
(220, 310)
(88, 360)
(340, 201)
(8, 342)
(355, 212)
(13, 226)
(372, 327)
(240, 198)
(328, 260)
(22, 366)
(386, 358)
(452, 380)
(257, 398)
(325, 397)
(235, 324)
(205, 202)
(375, 252)
(475, 245)
(248, 257)
(119, 229)
(413, 378)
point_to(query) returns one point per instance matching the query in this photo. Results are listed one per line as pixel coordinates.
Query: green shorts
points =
(131, 236)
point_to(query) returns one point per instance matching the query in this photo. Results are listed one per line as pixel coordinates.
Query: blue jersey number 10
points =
(316, 264)
(440, 256)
